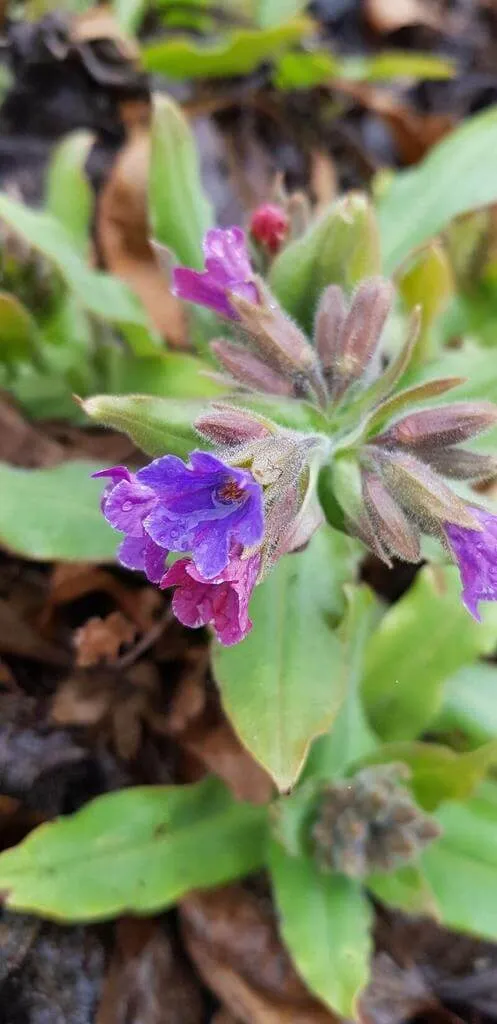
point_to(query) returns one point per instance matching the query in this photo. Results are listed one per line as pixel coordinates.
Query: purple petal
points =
(210, 549)
(131, 553)
(203, 290)
(154, 558)
(116, 473)
(126, 506)
(476, 555)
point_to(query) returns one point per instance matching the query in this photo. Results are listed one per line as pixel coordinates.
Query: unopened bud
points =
(420, 491)
(359, 334)
(459, 464)
(229, 425)
(438, 428)
(281, 344)
(330, 317)
(392, 528)
(269, 226)
(249, 370)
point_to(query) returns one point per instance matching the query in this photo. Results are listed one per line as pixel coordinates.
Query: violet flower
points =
(203, 507)
(125, 503)
(475, 552)
(221, 602)
(227, 269)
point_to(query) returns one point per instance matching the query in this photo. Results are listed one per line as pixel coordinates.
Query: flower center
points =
(230, 491)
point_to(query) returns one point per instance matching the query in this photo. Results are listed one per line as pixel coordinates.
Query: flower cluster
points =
(206, 508)
(376, 463)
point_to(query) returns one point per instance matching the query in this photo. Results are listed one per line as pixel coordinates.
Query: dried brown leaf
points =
(101, 639)
(70, 581)
(231, 936)
(123, 236)
(414, 133)
(148, 981)
(22, 444)
(386, 16)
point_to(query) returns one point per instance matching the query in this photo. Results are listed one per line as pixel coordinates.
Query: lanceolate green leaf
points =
(239, 52)
(325, 922)
(18, 332)
(180, 212)
(470, 703)
(461, 866)
(457, 176)
(105, 296)
(350, 737)
(340, 247)
(52, 514)
(136, 850)
(159, 426)
(284, 684)
(69, 195)
(421, 641)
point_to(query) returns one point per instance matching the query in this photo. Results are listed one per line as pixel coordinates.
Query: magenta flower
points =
(221, 602)
(203, 507)
(125, 503)
(227, 269)
(475, 552)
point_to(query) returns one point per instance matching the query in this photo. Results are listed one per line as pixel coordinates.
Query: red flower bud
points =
(269, 226)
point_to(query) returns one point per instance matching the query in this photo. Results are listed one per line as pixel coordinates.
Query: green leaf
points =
(170, 374)
(340, 247)
(69, 196)
(269, 13)
(326, 924)
(159, 426)
(17, 331)
(461, 866)
(405, 888)
(180, 212)
(350, 737)
(438, 772)
(302, 70)
(421, 641)
(133, 851)
(106, 297)
(470, 703)
(396, 64)
(129, 13)
(285, 683)
(457, 176)
(427, 281)
(238, 53)
(52, 514)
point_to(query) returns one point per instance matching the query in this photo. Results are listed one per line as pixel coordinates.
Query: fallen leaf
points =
(385, 16)
(56, 972)
(123, 235)
(71, 581)
(36, 760)
(148, 981)
(395, 994)
(101, 639)
(323, 179)
(231, 936)
(21, 444)
(22, 638)
(413, 133)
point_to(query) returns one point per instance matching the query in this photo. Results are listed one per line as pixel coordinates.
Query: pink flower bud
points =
(269, 226)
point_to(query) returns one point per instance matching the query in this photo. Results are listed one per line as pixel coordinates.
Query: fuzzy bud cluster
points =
(369, 823)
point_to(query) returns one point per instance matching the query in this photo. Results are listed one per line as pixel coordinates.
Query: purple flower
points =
(227, 269)
(125, 503)
(221, 602)
(475, 552)
(203, 507)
